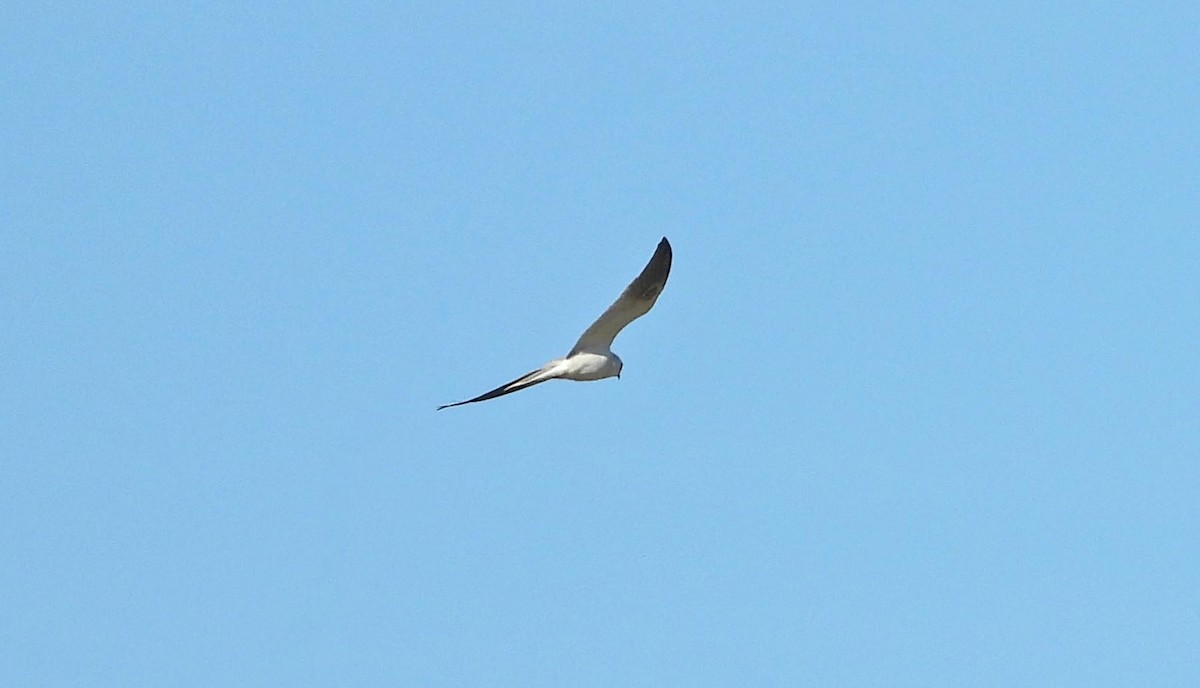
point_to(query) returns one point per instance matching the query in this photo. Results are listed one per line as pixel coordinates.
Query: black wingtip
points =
(661, 260)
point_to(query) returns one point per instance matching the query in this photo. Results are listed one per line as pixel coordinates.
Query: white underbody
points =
(585, 366)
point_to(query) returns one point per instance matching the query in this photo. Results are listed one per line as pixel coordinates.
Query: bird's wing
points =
(633, 303)
(549, 371)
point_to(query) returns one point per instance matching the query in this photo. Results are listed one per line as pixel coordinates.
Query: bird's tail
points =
(525, 381)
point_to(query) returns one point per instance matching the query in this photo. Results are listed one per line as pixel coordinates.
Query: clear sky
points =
(919, 405)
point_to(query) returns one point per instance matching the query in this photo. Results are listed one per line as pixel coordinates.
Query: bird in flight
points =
(592, 358)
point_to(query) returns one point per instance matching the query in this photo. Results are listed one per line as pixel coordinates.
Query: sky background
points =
(919, 405)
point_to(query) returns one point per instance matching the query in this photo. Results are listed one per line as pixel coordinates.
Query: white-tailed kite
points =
(591, 358)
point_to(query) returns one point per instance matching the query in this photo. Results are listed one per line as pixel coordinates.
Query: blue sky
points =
(918, 406)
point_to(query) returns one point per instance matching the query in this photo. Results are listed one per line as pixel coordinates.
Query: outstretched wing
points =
(633, 303)
(546, 372)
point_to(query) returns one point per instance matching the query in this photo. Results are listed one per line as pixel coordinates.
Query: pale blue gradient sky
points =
(918, 407)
